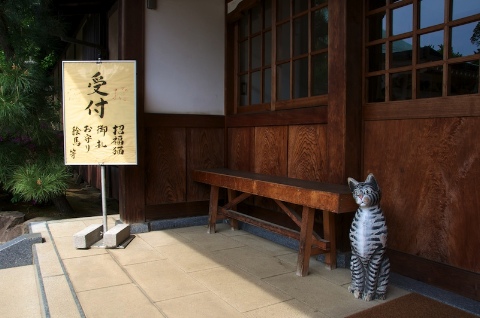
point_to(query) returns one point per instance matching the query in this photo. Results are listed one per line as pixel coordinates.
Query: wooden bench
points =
(330, 198)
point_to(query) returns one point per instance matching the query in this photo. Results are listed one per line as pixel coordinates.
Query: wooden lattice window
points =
(405, 55)
(281, 55)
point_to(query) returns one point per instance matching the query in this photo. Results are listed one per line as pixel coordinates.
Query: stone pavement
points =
(182, 272)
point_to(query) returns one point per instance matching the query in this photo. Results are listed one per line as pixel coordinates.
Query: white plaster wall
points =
(184, 57)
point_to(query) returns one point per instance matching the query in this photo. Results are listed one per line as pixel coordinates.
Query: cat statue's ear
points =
(352, 183)
(371, 180)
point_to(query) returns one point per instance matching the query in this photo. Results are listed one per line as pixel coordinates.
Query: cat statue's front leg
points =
(358, 277)
(373, 269)
(383, 276)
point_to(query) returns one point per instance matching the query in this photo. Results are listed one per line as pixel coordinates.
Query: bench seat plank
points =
(323, 196)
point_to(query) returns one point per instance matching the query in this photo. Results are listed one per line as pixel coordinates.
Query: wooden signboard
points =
(99, 112)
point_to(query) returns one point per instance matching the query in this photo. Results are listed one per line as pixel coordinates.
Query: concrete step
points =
(57, 297)
(18, 292)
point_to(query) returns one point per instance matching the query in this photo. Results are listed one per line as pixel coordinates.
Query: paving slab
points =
(18, 293)
(191, 258)
(162, 280)
(241, 290)
(205, 304)
(118, 301)
(93, 272)
(59, 297)
(138, 251)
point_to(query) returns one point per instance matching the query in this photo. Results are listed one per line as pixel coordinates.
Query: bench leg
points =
(329, 235)
(213, 209)
(231, 195)
(305, 248)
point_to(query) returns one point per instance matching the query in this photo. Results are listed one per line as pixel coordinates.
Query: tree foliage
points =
(31, 155)
(475, 38)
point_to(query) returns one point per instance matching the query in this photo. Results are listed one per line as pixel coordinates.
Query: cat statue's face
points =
(366, 193)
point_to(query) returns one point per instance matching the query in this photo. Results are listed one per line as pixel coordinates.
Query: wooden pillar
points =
(131, 47)
(344, 89)
(344, 129)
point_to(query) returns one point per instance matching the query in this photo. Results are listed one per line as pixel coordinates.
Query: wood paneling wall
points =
(270, 150)
(276, 143)
(307, 157)
(297, 151)
(280, 146)
(166, 180)
(429, 170)
(205, 149)
(172, 153)
(176, 145)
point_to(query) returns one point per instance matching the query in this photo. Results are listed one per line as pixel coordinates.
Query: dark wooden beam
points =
(132, 178)
(184, 120)
(344, 111)
(301, 116)
(451, 106)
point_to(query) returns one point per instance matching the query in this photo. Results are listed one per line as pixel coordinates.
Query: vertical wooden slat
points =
(415, 39)
(241, 154)
(274, 55)
(231, 68)
(307, 152)
(205, 149)
(271, 150)
(166, 163)
(270, 156)
(446, 43)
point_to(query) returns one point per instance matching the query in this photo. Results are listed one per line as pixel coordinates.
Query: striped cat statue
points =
(369, 265)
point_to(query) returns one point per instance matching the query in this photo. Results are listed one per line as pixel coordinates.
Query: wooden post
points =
(329, 235)
(131, 47)
(231, 196)
(344, 128)
(305, 248)
(213, 209)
